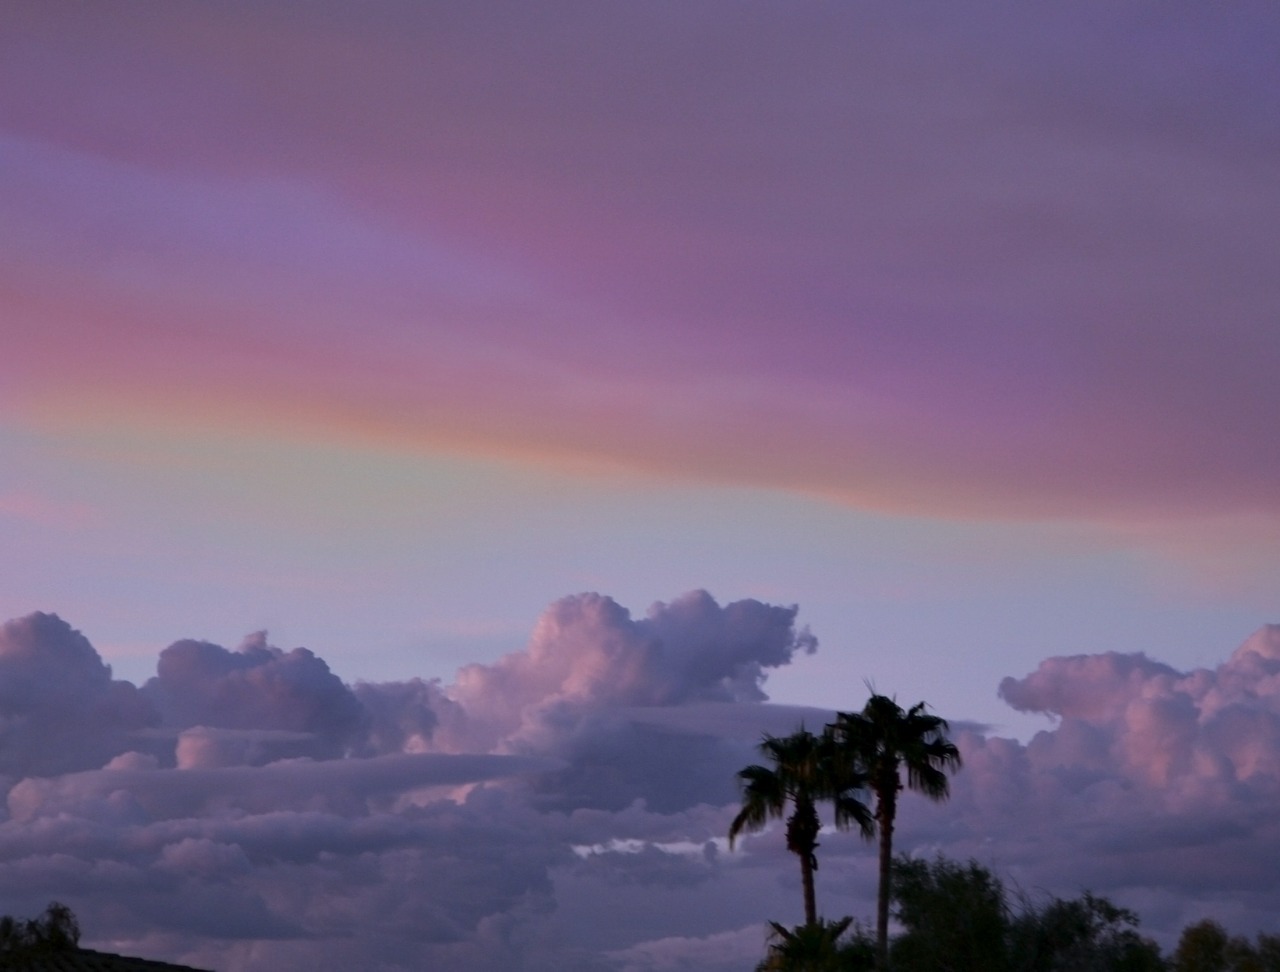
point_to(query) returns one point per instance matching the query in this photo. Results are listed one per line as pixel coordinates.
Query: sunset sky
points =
(478, 349)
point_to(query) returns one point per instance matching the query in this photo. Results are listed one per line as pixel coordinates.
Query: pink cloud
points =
(1154, 784)
(1088, 687)
(588, 654)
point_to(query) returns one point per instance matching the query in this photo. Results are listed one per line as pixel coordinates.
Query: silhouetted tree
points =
(1085, 934)
(883, 741)
(1268, 950)
(953, 916)
(1206, 947)
(957, 918)
(54, 931)
(802, 772)
(1202, 947)
(817, 947)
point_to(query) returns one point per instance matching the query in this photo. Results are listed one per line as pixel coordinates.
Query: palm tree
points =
(817, 948)
(881, 741)
(804, 770)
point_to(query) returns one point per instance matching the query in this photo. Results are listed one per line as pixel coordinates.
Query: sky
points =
(437, 440)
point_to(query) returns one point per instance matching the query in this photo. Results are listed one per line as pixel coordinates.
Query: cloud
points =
(258, 798)
(723, 951)
(1084, 687)
(402, 716)
(1157, 723)
(60, 709)
(197, 790)
(1154, 784)
(255, 687)
(581, 689)
(246, 808)
(587, 653)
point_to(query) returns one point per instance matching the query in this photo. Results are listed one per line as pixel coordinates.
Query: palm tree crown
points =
(882, 740)
(804, 771)
(816, 948)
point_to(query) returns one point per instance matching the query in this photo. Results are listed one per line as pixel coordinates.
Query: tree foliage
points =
(957, 918)
(819, 946)
(886, 742)
(54, 931)
(802, 772)
(1207, 947)
(954, 916)
(1085, 934)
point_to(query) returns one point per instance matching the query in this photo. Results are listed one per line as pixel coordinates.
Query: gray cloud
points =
(60, 709)
(230, 814)
(300, 784)
(500, 821)
(402, 716)
(255, 687)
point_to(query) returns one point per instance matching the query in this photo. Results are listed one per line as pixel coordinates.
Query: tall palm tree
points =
(882, 740)
(804, 770)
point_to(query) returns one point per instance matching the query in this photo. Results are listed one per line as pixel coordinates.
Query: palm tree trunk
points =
(802, 840)
(882, 900)
(806, 879)
(886, 810)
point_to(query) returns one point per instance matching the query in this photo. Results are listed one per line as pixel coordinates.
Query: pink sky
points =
(384, 326)
(929, 278)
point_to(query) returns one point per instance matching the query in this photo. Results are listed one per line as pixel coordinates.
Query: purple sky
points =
(945, 339)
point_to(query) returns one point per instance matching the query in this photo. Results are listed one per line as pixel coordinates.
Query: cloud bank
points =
(565, 806)
(245, 807)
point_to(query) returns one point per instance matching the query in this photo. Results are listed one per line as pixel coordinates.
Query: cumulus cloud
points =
(1158, 725)
(1155, 785)
(60, 709)
(250, 795)
(247, 809)
(402, 716)
(587, 653)
(1088, 687)
(581, 690)
(253, 688)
